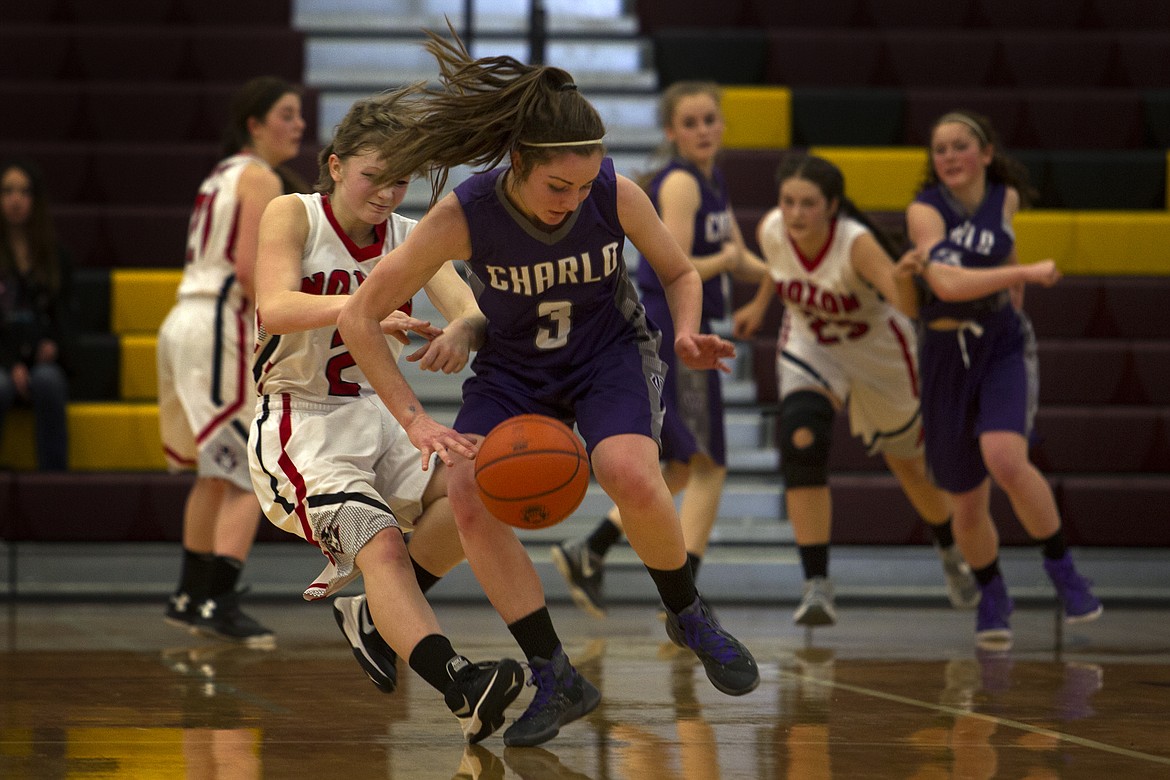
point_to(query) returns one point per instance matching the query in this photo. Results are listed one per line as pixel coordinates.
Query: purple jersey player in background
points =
(566, 337)
(690, 195)
(978, 362)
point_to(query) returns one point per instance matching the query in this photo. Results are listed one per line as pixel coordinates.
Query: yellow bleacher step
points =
(115, 437)
(757, 117)
(878, 178)
(112, 436)
(1104, 243)
(138, 375)
(141, 297)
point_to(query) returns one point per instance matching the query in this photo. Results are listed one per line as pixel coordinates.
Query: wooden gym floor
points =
(106, 690)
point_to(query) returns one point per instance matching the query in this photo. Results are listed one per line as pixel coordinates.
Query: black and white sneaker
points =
(479, 693)
(221, 617)
(181, 613)
(582, 569)
(376, 657)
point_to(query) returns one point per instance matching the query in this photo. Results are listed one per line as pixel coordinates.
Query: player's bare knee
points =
(806, 422)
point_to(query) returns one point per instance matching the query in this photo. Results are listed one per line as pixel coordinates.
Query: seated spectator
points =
(34, 305)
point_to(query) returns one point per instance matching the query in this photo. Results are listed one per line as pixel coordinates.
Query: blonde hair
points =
(486, 109)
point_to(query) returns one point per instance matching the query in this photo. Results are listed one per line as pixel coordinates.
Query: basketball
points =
(532, 471)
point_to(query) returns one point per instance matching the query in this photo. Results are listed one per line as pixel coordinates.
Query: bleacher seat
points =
(655, 15)
(1116, 510)
(726, 55)
(1102, 439)
(1143, 58)
(32, 52)
(132, 54)
(140, 113)
(1058, 58)
(94, 368)
(236, 55)
(939, 58)
(172, 173)
(1128, 14)
(1036, 14)
(848, 117)
(770, 13)
(118, 12)
(40, 112)
(753, 173)
(888, 14)
(822, 58)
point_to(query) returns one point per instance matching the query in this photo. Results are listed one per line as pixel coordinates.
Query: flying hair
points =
(485, 109)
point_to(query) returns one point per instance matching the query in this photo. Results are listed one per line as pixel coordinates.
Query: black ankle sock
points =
(814, 560)
(944, 535)
(195, 575)
(694, 560)
(429, 659)
(987, 573)
(535, 635)
(1055, 546)
(225, 573)
(676, 587)
(425, 579)
(604, 536)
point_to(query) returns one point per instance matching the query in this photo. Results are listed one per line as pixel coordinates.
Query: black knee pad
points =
(805, 466)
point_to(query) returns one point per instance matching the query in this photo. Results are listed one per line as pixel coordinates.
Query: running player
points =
(204, 386)
(690, 195)
(845, 342)
(328, 461)
(979, 371)
(566, 336)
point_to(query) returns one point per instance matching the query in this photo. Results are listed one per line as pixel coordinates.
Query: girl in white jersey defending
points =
(204, 385)
(328, 461)
(846, 342)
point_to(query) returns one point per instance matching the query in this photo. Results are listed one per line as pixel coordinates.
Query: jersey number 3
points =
(560, 321)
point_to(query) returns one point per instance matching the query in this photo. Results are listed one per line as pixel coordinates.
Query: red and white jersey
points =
(827, 301)
(213, 233)
(315, 365)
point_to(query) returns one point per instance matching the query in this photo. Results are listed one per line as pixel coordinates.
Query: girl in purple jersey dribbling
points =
(566, 337)
(978, 362)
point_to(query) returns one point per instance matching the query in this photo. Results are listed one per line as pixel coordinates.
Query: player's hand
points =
(1044, 273)
(447, 352)
(746, 320)
(913, 263)
(704, 351)
(431, 438)
(399, 324)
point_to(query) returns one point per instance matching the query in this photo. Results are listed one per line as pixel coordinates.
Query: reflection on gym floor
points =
(105, 691)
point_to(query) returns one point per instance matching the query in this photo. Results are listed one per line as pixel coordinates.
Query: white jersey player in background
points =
(846, 341)
(205, 388)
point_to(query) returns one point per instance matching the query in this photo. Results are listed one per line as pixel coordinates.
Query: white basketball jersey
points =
(212, 233)
(315, 365)
(827, 301)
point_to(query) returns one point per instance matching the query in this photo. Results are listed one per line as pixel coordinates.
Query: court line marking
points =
(1015, 724)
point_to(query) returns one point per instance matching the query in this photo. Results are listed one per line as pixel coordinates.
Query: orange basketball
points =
(532, 471)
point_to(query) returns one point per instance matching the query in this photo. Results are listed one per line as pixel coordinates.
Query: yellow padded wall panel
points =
(140, 298)
(757, 117)
(878, 178)
(139, 372)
